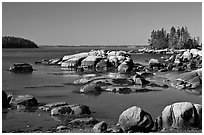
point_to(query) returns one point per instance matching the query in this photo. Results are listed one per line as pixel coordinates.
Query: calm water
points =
(106, 106)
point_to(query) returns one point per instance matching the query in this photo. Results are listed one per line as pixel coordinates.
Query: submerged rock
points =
(87, 121)
(91, 87)
(21, 68)
(181, 115)
(135, 119)
(62, 110)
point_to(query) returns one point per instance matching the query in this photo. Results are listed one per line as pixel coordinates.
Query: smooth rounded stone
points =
(153, 63)
(91, 87)
(125, 67)
(5, 100)
(80, 110)
(62, 110)
(134, 119)
(61, 127)
(181, 115)
(155, 69)
(87, 121)
(21, 68)
(26, 100)
(186, 55)
(100, 127)
(198, 108)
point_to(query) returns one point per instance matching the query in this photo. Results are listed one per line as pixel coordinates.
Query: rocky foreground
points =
(183, 116)
(128, 77)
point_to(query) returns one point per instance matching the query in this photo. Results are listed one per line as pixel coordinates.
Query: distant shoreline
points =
(130, 46)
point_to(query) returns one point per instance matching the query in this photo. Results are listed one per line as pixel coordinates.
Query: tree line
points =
(16, 42)
(176, 39)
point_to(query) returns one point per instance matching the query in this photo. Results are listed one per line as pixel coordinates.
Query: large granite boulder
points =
(182, 115)
(21, 68)
(24, 100)
(91, 87)
(135, 119)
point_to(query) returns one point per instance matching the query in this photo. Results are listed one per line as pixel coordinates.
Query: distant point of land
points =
(17, 42)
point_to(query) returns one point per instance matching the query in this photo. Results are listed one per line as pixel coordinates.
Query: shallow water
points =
(50, 84)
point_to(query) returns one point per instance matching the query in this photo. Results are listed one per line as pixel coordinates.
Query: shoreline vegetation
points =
(17, 42)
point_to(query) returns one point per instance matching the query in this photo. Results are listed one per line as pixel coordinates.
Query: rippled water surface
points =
(49, 84)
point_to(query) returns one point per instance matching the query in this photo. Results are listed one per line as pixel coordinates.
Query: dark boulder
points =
(21, 68)
(25, 100)
(80, 110)
(5, 100)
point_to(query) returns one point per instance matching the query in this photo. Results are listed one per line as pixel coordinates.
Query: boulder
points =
(186, 55)
(80, 110)
(198, 108)
(87, 121)
(154, 63)
(78, 55)
(62, 110)
(182, 115)
(102, 65)
(61, 127)
(90, 61)
(72, 62)
(50, 106)
(25, 100)
(135, 119)
(91, 87)
(5, 100)
(139, 80)
(100, 127)
(21, 68)
(125, 67)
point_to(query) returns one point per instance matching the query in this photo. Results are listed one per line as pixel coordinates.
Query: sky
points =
(117, 23)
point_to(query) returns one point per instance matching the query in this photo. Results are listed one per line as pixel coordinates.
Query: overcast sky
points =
(97, 23)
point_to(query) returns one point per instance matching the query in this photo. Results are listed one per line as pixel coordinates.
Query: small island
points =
(17, 42)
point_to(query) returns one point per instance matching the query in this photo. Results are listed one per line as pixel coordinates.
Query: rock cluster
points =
(99, 60)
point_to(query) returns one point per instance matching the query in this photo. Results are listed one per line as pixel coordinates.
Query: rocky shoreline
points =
(129, 77)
